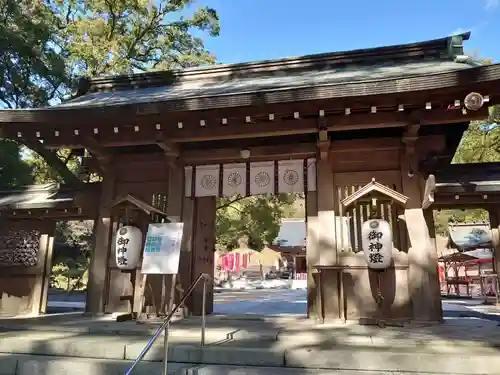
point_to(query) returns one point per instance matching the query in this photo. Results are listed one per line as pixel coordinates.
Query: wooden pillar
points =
(40, 287)
(98, 267)
(47, 270)
(494, 213)
(185, 262)
(423, 275)
(174, 211)
(202, 257)
(326, 241)
(312, 256)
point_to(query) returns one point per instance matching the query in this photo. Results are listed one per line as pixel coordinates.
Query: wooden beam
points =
(278, 150)
(323, 144)
(464, 202)
(52, 160)
(169, 148)
(455, 83)
(430, 187)
(96, 149)
(192, 131)
(409, 139)
(66, 214)
(469, 172)
(361, 145)
(299, 151)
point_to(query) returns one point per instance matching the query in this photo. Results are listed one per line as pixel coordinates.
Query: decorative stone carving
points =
(20, 248)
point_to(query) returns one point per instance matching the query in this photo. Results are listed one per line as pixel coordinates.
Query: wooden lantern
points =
(128, 247)
(376, 233)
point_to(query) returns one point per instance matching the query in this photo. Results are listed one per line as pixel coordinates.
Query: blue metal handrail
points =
(166, 322)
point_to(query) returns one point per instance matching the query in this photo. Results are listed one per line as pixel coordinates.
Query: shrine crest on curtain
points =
(267, 177)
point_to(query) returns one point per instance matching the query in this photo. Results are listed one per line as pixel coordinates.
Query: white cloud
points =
(474, 29)
(491, 4)
(459, 31)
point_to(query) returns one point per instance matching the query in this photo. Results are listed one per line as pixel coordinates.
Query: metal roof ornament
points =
(474, 101)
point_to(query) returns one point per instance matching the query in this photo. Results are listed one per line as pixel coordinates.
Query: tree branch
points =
(52, 160)
(113, 19)
(239, 198)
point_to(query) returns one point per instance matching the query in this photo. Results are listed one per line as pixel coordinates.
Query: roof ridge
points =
(448, 47)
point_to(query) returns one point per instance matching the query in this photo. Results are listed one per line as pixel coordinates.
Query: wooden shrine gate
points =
(378, 113)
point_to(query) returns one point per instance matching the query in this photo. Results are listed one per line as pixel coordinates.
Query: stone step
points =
(46, 365)
(232, 370)
(242, 353)
(422, 344)
(178, 330)
(218, 328)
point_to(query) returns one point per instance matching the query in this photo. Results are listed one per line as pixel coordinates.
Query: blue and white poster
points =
(162, 249)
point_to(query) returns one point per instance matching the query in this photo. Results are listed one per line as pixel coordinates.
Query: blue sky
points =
(266, 29)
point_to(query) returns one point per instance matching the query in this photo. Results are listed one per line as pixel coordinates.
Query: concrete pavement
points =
(279, 302)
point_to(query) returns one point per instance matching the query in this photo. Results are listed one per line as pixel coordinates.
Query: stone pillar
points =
(98, 268)
(423, 275)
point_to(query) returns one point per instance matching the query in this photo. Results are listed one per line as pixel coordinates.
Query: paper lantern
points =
(377, 243)
(128, 246)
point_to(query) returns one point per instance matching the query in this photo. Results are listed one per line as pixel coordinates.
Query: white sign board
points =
(162, 249)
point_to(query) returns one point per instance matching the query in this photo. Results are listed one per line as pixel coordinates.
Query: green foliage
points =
(444, 217)
(13, 170)
(46, 44)
(71, 254)
(296, 210)
(69, 275)
(258, 217)
(480, 143)
(126, 36)
(32, 72)
(43, 173)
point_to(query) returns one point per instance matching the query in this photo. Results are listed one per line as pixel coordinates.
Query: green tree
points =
(481, 141)
(259, 217)
(126, 36)
(479, 144)
(13, 170)
(71, 254)
(43, 173)
(443, 217)
(32, 71)
(46, 44)
(100, 37)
